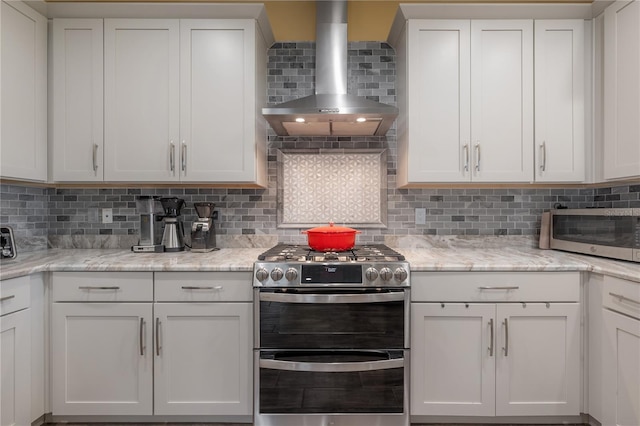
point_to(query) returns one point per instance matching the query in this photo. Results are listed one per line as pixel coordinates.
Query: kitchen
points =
(71, 216)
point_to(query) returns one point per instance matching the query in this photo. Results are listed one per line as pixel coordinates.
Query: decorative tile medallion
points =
(345, 187)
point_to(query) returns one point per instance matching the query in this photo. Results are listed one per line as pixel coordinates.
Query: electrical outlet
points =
(421, 216)
(107, 215)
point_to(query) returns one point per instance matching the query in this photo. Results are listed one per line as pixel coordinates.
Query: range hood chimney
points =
(331, 111)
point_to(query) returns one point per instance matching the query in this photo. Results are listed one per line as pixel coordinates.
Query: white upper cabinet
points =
(218, 101)
(559, 101)
(141, 81)
(76, 148)
(502, 100)
(182, 101)
(622, 90)
(23, 140)
(434, 145)
(465, 94)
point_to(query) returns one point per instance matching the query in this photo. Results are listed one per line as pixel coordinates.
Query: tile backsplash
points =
(36, 213)
(39, 213)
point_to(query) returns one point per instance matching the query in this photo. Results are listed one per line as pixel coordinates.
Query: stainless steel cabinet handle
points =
(506, 337)
(2, 299)
(331, 367)
(88, 287)
(331, 298)
(491, 328)
(184, 157)
(172, 157)
(477, 157)
(158, 336)
(95, 157)
(617, 296)
(509, 287)
(193, 287)
(543, 156)
(466, 157)
(142, 348)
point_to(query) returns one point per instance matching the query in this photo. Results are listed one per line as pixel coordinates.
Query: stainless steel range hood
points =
(331, 111)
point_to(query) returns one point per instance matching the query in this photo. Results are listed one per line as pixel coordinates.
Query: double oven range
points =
(331, 343)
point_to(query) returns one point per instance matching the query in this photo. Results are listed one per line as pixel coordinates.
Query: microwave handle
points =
(331, 367)
(331, 298)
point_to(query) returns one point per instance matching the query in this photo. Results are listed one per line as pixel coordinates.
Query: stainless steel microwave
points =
(604, 232)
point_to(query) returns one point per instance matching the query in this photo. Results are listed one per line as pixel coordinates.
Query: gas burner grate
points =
(301, 253)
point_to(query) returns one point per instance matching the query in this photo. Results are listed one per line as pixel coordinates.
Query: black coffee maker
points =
(173, 234)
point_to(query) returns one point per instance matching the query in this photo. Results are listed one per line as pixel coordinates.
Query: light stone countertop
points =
(92, 260)
(491, 258)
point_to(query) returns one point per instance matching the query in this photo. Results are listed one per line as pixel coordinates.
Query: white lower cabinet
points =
(621, 353)
(101, 341)
(202, 359)
(114, 352)
(452, 370)
(203, 331)
(15, 352)
(102, 360)
(621, 378)
(477, 358)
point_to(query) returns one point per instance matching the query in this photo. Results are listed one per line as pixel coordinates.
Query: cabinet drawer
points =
(495, 286)
(622, 296)
(102, 286)
(14, 294)
(203, 287)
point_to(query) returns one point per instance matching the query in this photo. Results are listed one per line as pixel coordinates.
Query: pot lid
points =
(331, 229)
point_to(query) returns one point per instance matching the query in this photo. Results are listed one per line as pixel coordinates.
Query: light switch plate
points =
(421, 216)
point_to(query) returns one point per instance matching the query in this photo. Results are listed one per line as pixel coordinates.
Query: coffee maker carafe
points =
(173, 235)
(203, 233)
(150, 211)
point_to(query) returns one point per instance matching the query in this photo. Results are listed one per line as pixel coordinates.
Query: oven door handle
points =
(331, 367)
(332, 298)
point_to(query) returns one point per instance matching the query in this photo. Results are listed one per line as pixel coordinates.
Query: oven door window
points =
(614, 231)
(338, 319)
(338, 382)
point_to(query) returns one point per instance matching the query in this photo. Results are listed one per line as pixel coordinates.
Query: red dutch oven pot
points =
(331, 238)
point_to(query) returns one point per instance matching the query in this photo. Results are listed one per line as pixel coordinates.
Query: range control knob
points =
(291, 274)
(371, 274)
(400, 274)
(277, 274)
(262, 274)
(386, 274)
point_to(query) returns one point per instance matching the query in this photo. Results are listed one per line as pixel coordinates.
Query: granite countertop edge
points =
(516, 259)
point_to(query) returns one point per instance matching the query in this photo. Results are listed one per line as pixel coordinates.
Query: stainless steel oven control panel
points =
(378, 274)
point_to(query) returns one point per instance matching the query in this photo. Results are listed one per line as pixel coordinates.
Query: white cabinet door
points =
(15, 366)
(102, 359)
(621, 370)
(141, 82)
(203, 359)
(439, 101)
(622, 90)
(502, 100)
(217, 100)
(538, 362)
(452, 359)
(559, 100)
(76, 148)
(23, 138)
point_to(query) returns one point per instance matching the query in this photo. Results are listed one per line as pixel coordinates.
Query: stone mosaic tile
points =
(342, 187)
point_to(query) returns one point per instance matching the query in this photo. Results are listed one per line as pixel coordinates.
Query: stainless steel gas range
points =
(331, 343)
